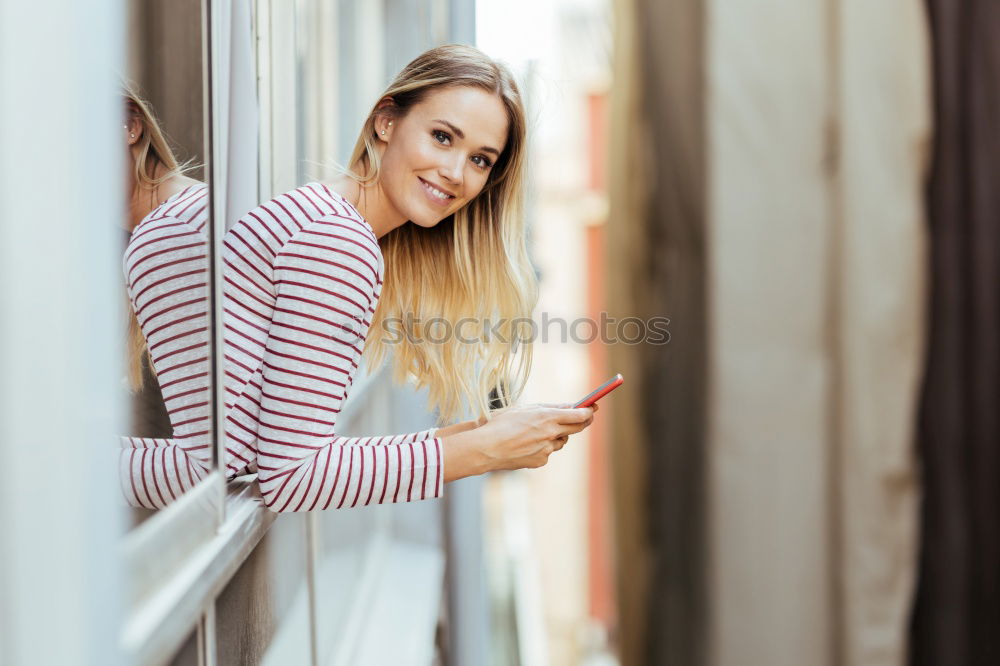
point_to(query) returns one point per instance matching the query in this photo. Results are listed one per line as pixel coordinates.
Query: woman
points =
(166, 276)
(425, 223)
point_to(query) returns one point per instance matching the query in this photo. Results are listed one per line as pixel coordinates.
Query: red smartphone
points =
(601, 391)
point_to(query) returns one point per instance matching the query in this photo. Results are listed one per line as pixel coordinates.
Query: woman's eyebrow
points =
(461, 135)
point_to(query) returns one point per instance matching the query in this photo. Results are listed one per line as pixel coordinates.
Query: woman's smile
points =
(435, 195)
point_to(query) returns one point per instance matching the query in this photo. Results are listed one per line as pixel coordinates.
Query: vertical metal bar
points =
(469, 634)
(207, 644)
(312, 559)
(262, 52)
(216, 228)
(200, 633)
(834, 337)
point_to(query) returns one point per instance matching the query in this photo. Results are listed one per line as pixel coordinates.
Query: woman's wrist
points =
(464, 455)
(455, 428)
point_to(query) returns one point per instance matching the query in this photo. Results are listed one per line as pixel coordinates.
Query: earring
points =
(383, 131)
(132, 135)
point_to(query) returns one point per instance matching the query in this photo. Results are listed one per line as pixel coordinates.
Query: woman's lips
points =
(433, 198)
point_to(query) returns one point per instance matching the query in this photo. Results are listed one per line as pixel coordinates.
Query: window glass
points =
(166, 264)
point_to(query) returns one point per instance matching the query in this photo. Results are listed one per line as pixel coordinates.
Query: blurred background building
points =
(806, 473)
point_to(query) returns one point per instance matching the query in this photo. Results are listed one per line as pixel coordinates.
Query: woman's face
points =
(438, 156)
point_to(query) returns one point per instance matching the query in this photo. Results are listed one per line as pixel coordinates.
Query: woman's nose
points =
(453, 170)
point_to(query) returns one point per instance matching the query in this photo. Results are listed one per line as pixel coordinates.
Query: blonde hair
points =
(154, 154)
(473, 264)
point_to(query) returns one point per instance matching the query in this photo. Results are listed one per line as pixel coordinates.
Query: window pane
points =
(165, 257)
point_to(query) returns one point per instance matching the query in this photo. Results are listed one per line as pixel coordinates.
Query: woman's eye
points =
(441, 137)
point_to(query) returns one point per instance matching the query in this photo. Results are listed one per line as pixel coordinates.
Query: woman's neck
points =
(144, 200)
(370, 202)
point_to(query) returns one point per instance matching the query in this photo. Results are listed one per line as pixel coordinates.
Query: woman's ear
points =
(384, 113)
(383, 126)
(133, 131)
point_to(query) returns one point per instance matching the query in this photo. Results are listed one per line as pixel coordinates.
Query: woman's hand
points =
(525, 436)
(515, 437)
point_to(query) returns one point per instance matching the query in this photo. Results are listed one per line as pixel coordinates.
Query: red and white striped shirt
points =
(303, 275)
(166, 272)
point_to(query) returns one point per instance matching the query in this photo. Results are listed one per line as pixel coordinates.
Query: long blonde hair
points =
(473, 264)
(154, 154)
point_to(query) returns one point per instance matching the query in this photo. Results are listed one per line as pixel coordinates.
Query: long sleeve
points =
(156, 471)
(326, 285)
(166, 274)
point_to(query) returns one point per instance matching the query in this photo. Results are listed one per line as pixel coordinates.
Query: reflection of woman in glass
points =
(166, 276)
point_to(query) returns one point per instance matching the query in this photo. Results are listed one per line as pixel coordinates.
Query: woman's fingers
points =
(572, 415)
(574, 428)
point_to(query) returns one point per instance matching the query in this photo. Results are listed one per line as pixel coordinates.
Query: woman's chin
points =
(426, 221)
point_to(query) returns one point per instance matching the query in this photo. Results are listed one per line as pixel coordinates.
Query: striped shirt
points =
(303, 274)
(166, 275)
